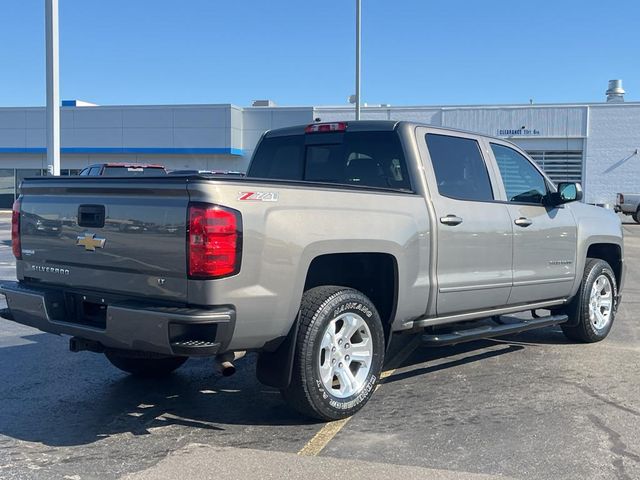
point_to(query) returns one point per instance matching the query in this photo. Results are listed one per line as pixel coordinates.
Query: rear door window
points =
(459, 168)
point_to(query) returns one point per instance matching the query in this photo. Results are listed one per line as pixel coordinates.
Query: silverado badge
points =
(90, 242)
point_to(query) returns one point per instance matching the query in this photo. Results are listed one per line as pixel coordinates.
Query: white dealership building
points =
(596, 143)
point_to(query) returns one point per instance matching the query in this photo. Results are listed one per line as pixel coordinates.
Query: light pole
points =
(53, 87)
(358, 20)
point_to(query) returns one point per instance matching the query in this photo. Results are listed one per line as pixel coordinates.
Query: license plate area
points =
(87, 310)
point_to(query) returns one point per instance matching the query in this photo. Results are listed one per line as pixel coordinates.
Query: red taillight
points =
(326, 127)
(15, 230)
(215, 241)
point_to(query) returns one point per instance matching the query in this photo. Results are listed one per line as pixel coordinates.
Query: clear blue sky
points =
(415, 52)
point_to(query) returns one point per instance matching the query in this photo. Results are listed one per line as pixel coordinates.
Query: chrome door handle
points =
(451, 220)
(523, 222)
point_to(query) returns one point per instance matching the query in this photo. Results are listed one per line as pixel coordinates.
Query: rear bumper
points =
(127, 325)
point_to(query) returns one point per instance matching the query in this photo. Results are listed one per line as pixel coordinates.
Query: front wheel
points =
(339, 353)
(636, 216)
(141, 366)
(593, 309)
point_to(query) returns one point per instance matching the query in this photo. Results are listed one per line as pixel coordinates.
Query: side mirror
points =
(567, 192)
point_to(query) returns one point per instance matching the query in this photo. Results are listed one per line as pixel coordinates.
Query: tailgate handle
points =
(91, 216)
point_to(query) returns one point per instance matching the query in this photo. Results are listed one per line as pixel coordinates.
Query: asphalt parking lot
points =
(531, 406)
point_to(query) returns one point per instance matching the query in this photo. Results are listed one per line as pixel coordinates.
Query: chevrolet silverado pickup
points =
(341, 235)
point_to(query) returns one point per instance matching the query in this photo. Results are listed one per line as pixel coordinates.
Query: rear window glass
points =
(132, 171)
(278, 158)
(368, 159)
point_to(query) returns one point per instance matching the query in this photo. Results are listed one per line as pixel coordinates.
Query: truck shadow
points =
(475, 351)
(425, 355)
(57, 398)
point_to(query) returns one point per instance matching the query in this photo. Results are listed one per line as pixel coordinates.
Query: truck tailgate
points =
(112, 235)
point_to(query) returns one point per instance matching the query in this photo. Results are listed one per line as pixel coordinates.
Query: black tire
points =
(145, 366)
(636, 216)
(579, 327)
(307, 393)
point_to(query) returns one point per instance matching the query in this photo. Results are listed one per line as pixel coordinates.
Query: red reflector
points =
(15, 230)
(326, 127)
(214, 241)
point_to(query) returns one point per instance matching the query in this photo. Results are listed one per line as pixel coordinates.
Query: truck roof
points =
(371, 125)
(354, 126)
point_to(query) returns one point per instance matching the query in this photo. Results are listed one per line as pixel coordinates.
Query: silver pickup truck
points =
(628, 204)
(341, 235)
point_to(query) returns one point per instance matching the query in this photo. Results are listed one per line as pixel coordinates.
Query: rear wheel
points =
(636, 216)
(592, 311)
(145, 366)
(339, 353)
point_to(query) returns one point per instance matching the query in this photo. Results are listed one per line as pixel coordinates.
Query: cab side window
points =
(522, 181)
(459, 168)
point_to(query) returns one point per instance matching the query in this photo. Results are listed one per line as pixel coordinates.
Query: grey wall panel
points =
(236, 138)
(539, 121)
(235, 117)
(548, 121)
(147, 118)
(35, 119)
(13, 118)
(35, 137)
(201, 137)
(147, 137)
(612, 164)
(13, 137)
(92, 137)
(429, 116)
(201, 117)
(91, 117)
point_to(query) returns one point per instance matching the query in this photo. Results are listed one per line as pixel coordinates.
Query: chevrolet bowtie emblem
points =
(90, 242)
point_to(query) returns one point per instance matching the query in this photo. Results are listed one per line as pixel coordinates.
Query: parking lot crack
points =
(618, 448)
(593, 394)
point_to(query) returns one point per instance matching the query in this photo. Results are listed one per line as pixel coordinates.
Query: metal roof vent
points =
(615, 92)
(263, 103)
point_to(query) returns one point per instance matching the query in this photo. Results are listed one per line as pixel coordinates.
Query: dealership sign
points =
(524, 132)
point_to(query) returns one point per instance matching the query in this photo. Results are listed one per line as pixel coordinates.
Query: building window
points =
(7, 187)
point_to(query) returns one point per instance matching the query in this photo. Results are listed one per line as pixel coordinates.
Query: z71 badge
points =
(259, 196)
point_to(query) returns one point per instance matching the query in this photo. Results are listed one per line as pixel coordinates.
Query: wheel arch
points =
(610, 253)
(374, 274)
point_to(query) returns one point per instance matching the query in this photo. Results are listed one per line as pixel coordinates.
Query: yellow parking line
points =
(331, 429)
(323, 437)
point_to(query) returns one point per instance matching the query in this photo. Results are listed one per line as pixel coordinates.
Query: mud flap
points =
(275, 368)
